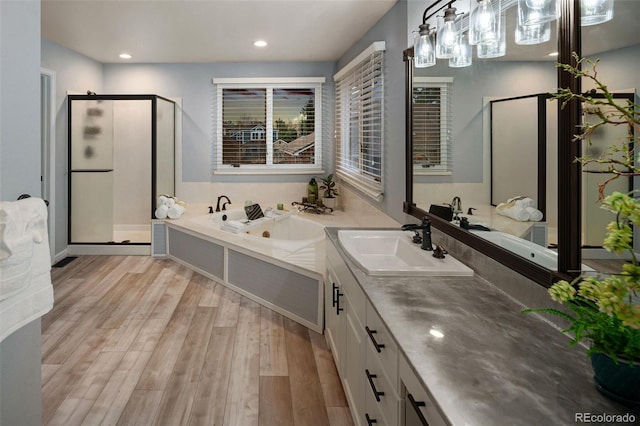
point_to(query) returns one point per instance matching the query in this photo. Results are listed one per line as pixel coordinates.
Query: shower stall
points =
(121, 157)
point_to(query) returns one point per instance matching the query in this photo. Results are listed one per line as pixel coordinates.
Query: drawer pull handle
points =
(338, 308)
(376, 392)
(370, 421)
(334, 299)
(416, 406)
(377, 345)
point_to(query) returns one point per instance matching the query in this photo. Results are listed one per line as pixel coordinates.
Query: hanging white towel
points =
(26, 292)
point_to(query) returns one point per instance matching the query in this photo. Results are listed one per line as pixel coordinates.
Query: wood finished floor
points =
(133, 340)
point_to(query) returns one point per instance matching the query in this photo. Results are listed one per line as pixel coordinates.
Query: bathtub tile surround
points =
(492, 365)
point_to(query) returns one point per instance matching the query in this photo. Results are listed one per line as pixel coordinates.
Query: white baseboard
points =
(109, 249)
(59, 256)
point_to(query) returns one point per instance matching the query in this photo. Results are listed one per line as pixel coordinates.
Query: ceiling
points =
(182, 31)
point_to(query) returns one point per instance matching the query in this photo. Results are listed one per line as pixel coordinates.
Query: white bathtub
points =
(536, 253)
(285, 232)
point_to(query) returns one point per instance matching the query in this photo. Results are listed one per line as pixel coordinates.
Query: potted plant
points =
(330, 191)
(605, 309)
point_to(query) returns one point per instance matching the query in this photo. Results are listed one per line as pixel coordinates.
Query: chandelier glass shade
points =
(483, 25)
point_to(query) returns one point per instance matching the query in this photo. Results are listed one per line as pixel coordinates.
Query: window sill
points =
(419, 172)
(274, 172)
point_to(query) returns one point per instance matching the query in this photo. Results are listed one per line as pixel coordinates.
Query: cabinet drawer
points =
(372, 414)
(378, 386)
(383, 346)
(422, 410)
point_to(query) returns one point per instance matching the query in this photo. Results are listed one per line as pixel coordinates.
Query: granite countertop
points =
(494, 365)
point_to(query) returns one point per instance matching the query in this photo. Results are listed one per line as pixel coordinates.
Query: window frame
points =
(269, 84)
(347, 105)
(446, 124)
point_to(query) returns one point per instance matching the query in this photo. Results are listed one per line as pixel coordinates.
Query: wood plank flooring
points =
(134, 340)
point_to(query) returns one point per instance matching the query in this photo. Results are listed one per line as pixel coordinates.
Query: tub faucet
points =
(224, 205)
(426, 232)
(456, 206)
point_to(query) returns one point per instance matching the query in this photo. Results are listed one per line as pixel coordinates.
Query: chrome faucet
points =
(426, 232)
(224, 205)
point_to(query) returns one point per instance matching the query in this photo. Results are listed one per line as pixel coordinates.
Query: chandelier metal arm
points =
(426, 17)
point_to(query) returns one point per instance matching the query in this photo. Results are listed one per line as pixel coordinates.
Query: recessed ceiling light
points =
(125, 56)
(260, 43)
(553, 54)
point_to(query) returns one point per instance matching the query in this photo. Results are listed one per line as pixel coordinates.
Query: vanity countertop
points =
(494, 365)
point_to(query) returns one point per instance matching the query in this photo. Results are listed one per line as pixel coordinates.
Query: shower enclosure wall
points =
(121, 157)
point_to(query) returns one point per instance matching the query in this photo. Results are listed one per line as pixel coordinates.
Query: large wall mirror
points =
(503, 139)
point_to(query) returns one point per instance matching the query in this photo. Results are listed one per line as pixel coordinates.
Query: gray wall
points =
(75, 73)
(20, 173)
(193, 83)
(20, 98)
(392, 29)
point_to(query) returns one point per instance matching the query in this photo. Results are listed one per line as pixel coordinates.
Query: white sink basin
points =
(380, 252)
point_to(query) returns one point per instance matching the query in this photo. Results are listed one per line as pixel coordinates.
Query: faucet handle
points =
(439, 252)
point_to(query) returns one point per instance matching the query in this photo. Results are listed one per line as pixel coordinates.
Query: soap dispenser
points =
(312, 191)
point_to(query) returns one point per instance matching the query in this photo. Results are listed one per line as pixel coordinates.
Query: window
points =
(268, 125)
(359, 121)
(431, 125)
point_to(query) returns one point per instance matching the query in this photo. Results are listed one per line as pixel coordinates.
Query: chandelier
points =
(484, 26)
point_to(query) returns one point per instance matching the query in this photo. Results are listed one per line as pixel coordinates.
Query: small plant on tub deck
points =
(329, 187)
(604, 308)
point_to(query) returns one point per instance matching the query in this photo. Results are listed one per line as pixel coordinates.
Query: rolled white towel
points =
(161, 200)
(170, 202)
(525, 202)
(161, 212)
(175, 211)
(514, 213)
(535, 215)
(236, 224)
(519, 214)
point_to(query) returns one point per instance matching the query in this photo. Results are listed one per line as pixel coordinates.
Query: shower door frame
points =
(152, 206)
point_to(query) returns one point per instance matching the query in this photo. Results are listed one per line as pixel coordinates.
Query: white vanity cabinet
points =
(345, 306)
(378, 382)
(381, 370)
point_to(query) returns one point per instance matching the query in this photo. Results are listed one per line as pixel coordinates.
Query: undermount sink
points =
(390, 252)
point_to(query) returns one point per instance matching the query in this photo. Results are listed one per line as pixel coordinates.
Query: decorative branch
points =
(616, 114)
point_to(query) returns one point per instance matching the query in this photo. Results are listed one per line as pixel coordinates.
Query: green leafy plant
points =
(329, 187)
(601, 308)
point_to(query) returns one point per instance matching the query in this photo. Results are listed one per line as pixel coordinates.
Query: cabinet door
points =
(335, 319)
(418, 409)
(354, 375)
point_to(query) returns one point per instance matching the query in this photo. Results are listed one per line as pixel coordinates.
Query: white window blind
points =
(268, 125)
(359, 121)
(431, 119)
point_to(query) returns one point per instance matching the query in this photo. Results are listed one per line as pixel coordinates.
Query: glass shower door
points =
(91, 171)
